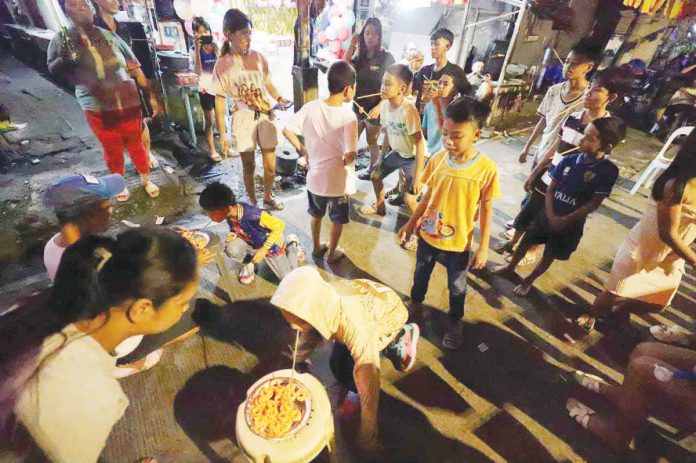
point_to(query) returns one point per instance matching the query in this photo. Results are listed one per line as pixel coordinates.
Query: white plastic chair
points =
(660, 163)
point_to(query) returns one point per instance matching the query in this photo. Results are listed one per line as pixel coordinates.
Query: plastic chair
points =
(660, 163)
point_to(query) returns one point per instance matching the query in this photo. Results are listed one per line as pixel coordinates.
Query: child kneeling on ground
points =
(363, 318)
(255, 235)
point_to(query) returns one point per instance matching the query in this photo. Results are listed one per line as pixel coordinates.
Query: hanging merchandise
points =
(673, 9)
(335, 28)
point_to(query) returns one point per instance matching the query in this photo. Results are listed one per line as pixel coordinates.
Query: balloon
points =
(331, 33)
(201, 7)
(335, 47)
(215, 17)
(348, 19)
(188, 26)
(345, 45)
(183, 9)
(337, 22)
(343, 34)
(322, 38)
(342, 8)
(335, 11)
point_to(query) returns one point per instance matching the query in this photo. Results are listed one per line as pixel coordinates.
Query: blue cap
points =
(77, 190)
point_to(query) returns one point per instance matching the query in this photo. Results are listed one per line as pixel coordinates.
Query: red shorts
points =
(116, 131)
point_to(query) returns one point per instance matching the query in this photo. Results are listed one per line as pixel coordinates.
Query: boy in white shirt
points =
(330, 131)
(403, 147)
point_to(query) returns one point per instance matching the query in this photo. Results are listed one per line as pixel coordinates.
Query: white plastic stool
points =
(301, 448)
(660, 163)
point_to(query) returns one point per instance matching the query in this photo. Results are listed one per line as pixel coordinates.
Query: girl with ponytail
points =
(57, 362)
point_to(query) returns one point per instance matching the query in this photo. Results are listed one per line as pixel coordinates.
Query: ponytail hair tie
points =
(103, 255)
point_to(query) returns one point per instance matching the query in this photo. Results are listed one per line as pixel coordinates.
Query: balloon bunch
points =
(337, 26)
(213, 11)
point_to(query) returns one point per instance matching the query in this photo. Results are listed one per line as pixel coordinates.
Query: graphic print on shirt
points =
(397, 128)
(250, 91)
(434, 226)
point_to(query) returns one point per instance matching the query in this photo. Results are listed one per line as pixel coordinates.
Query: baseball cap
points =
(75, 191)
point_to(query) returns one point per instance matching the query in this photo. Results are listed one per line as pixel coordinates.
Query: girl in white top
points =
(57, 377)
(650, 263)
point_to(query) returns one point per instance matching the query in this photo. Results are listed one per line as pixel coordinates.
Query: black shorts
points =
(339, 207)
(392, 162)
(207, 101)
(530, 210)
(559, 245)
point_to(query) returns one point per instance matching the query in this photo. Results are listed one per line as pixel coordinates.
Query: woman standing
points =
(205, 54)
(370, 65)
(649, 266)
(106, 75)
(58, 376)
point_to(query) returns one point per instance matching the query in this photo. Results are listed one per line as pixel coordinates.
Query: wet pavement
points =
(501, 397)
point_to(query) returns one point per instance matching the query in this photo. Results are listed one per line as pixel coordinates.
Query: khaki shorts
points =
(249, 131)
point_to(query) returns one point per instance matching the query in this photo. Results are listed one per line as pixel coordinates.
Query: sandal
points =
(670, 335)
(522, 290)
(579, 412)
(319, 253)
(371, 210)
(301, 253)
(336, 255)
(123, 196)
(151, 189)
(502, 247)
(588, 381)
(586, 323)
(215, 157)
(150, 361)
(273, 204)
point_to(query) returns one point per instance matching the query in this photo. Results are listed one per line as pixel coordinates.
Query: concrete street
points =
(501, 398)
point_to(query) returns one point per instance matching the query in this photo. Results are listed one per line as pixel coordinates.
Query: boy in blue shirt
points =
(579, 184)
(433, 114)
(255, 235)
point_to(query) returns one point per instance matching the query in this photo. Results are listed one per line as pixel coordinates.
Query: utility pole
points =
(305, 77)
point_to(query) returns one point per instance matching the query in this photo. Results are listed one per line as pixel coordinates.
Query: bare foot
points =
(336, 254)
(319, 253)
(522, 290)
(504, 271)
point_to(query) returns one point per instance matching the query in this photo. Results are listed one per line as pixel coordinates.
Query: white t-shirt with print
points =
(329, 132)
(242, 79)
(400, 124)
(70, 406)
(555, 110)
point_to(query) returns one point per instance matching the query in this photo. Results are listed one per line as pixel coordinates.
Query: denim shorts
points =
(339, 207)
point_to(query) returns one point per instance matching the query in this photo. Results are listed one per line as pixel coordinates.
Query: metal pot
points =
(286, 163)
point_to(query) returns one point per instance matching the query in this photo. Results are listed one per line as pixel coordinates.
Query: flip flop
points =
(152, 190)
(370, 210)
(588, 381)
(520, 291)
(586, 323)
(151, 360)
(579, 412)
(336, 255)
(502, 247)
(273, 205)
(670, 335)
(215, 157)
(123, 196)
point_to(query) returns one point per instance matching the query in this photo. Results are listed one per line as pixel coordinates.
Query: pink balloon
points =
(322, 38)
(335, 47)
(188, 25)
(343, 34)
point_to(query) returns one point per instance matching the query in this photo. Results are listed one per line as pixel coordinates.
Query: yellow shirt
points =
(457, 191)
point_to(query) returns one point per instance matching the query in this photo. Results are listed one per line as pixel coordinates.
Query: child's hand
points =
(231, 236)
(559, 223)
(523, 156)
(417, 187)
(348, 158)
(258, 256)
(529, 184)
(479, 259)
(405, 232)
(204, 257)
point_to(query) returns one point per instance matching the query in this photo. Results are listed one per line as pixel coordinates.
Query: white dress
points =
(645, 267)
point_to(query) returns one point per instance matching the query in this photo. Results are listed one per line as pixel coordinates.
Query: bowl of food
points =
(278, 408)
(198, 239)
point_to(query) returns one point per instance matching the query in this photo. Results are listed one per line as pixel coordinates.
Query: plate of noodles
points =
(278, 408)
(198, 239)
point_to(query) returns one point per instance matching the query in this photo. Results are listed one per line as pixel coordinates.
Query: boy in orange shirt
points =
(460, 182)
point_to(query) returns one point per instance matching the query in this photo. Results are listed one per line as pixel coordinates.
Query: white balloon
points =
(337, 22)
(201, 7)
(215, 21)
(183, 9)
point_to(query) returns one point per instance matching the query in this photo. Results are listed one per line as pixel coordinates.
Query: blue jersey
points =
(579, 179)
